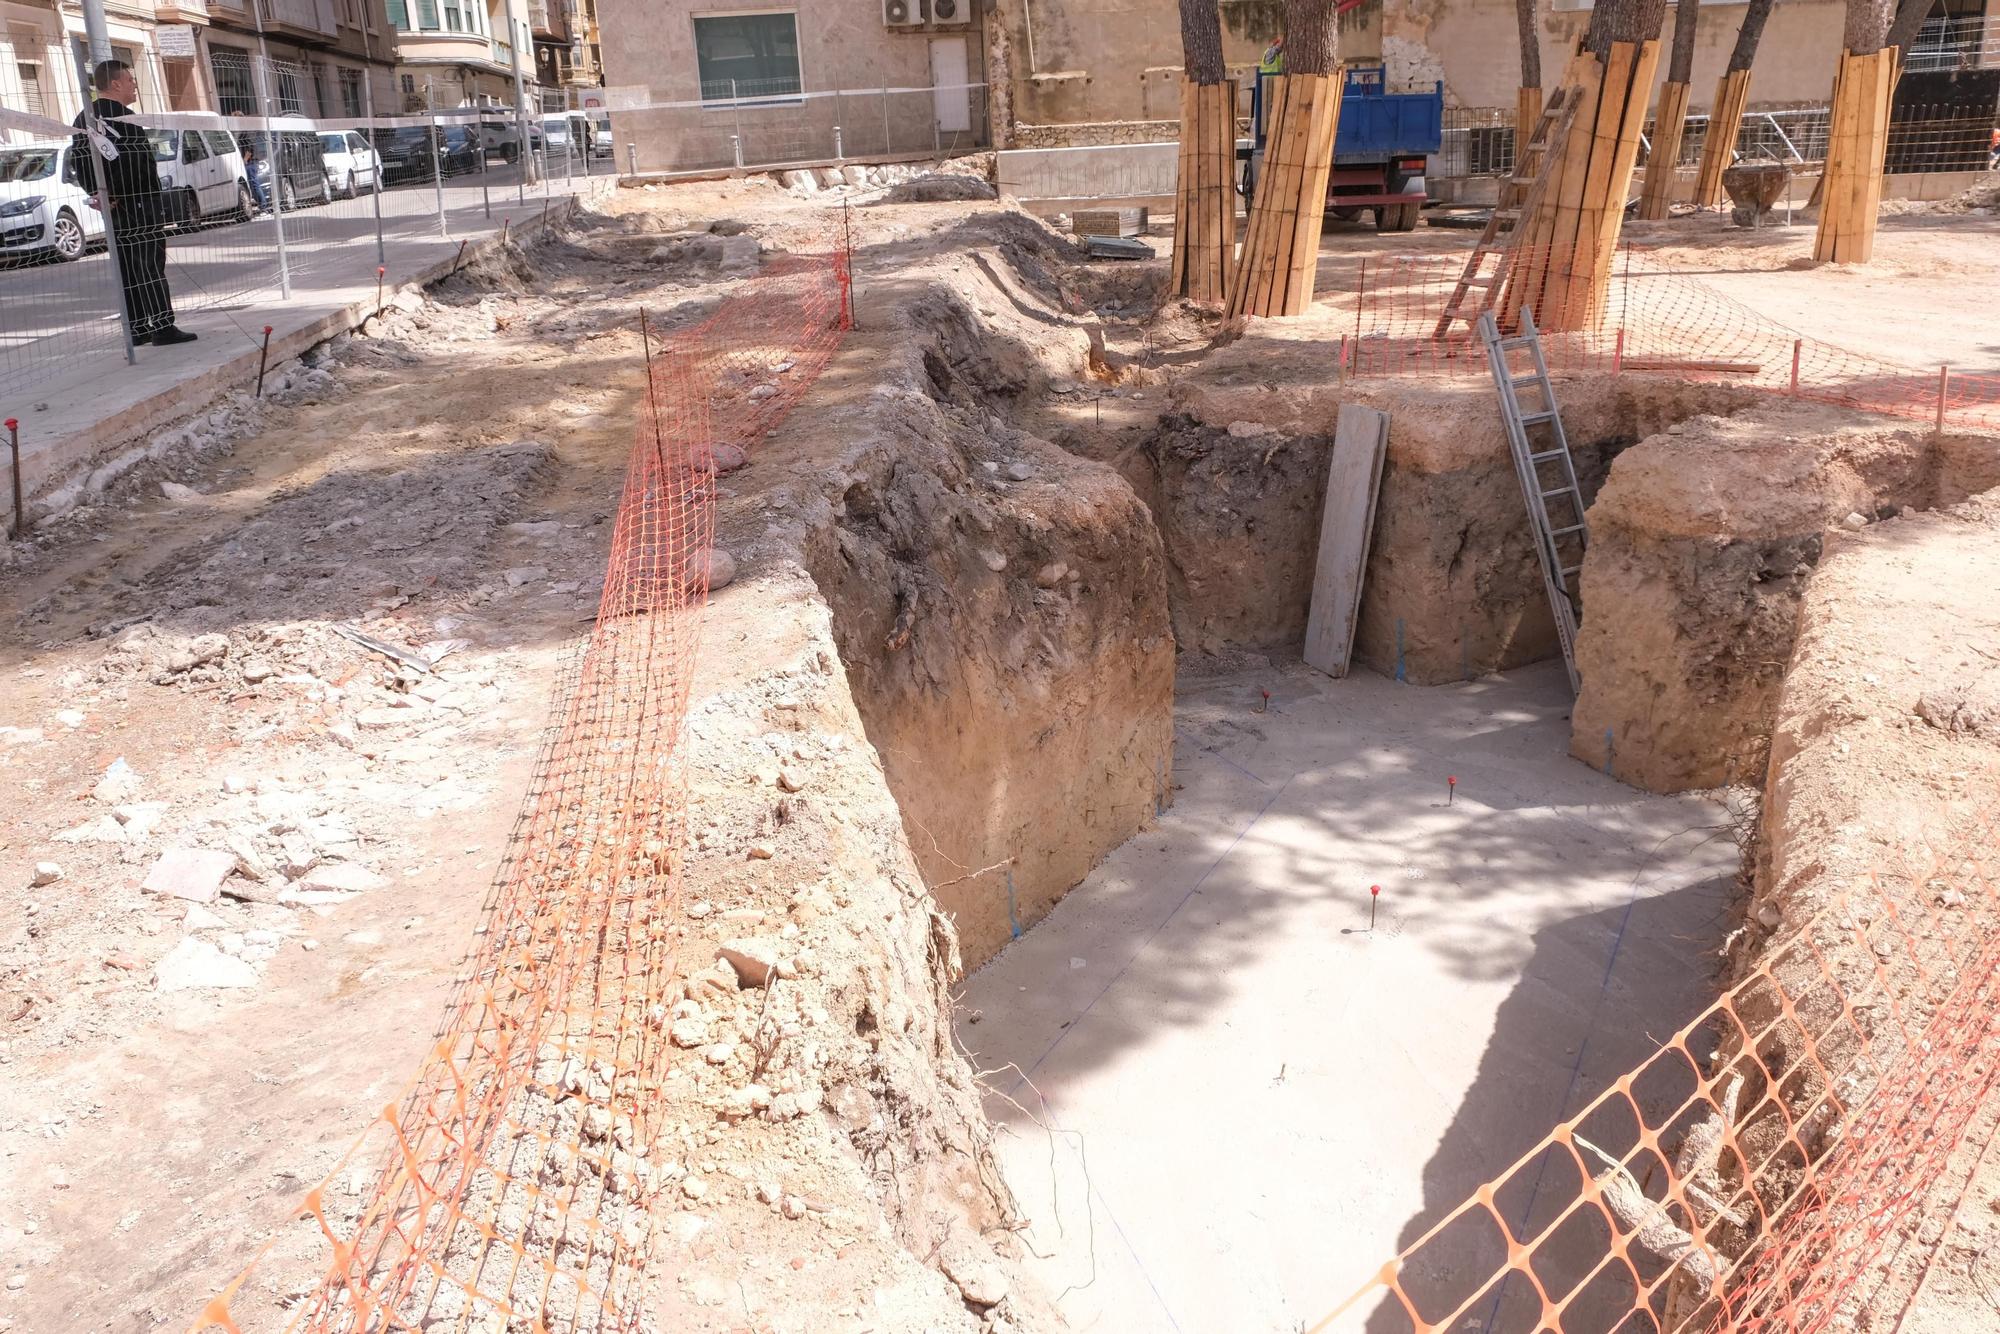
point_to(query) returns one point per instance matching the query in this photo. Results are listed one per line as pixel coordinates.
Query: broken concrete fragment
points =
(539, 530)
(194, 874)
(119, 784)
(523, 575)
(754, 960)
(46, 873)
(196, 965)
(104, 829)
(342, 877)
(258, 669)
(176, 491)
(139, 818)
(199, 918)
(727, 457)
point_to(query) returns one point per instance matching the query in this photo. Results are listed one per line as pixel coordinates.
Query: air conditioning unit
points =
(905, 13)
(951, 13)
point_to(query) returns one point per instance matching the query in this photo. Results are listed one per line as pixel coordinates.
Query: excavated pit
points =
(1068, 580)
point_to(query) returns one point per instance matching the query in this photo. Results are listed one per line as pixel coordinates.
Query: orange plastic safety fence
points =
(512, 1188)
(1651, 317)
(1755, 1173)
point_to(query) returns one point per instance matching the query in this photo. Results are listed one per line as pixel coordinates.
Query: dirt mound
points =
(941, 189)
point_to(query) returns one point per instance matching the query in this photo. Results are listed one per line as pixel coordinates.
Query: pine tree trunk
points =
(1669, 125)
(1680, 66)
(1201, 42)
(1531, 46)
(1312, 37)
(1867, 29)
(1910, 16)
(1747, 36)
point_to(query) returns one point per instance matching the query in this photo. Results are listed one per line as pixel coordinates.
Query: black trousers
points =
(142, 266)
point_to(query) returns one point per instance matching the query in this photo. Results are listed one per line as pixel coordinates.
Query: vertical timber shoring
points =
(1732, 99)
(1564, 268)
(1670, 121)
(1204, 189)
(1280, 257)
(1858, 139)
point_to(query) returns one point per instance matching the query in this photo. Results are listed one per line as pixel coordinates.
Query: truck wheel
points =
(1406, 217)
(1385, 217)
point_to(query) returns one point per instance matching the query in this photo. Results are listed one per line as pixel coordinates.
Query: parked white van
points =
(43, 211)
(202, 175)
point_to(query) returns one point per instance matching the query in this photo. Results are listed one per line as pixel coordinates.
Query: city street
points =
(51, 314)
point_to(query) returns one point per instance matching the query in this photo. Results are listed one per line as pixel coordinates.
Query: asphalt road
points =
(52, 313)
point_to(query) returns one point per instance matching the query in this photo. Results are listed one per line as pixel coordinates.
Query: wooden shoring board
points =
(1180, 282)
(1281, 162)
(1347, 527)
(1580, 267)
(1880, 81)
(1318, 167)
(1836, 192)
(1725, 121)
(1200, 230)
(1536, 243)
(1527, 110)
(1551, 298)
(1220, 141)
(1296, 209)
(1243, 286)
(1669, 127)
(1604, 252)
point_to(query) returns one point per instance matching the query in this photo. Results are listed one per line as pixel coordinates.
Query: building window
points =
(287, 91)
(350, 92)
(399, 15)
(235, 89)
(31, 87)
(427, 15)
(454, 21)
(748, 55)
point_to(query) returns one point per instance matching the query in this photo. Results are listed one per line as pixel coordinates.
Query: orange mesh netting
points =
(512, 1187)
(1653, 317)
(1761, 1171)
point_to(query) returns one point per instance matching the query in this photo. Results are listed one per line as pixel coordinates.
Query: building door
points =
(950, 72)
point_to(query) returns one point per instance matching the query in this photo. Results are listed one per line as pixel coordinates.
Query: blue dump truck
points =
(1379, 149)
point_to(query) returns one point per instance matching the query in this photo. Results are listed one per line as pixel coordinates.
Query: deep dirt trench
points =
(1007, 678)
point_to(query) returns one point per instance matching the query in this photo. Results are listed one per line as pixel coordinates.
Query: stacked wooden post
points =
(1662, 163)
(1856, 144)
(1563, 254)
(1205, 194)
(1725, 122)
(1280, 256)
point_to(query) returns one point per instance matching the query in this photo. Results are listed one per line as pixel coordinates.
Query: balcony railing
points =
(305, 15)
(190, 8)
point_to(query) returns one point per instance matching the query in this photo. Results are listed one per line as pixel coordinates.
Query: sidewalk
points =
(90, 401)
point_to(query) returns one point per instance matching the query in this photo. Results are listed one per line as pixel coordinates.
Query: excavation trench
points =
(1068, 597)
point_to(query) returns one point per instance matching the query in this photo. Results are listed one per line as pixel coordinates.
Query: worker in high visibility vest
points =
(1271, 65)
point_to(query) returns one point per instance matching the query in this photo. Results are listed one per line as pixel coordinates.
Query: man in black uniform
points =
(139, 213)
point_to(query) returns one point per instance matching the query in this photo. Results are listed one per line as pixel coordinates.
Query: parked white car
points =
(352, 164)
(42, 209)
(202, 175)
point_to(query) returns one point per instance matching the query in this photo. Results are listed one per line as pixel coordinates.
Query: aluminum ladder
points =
(1546, 471)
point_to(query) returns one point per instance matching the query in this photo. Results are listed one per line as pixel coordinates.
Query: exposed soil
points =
(938, 693)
